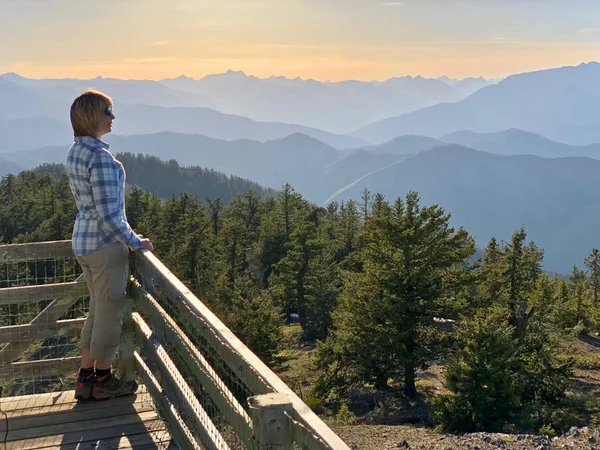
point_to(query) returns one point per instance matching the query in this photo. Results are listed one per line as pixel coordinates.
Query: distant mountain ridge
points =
(45, 114)
(337, 107)
(519, 142)
(125, 91)
(562, 104)
(491, 195)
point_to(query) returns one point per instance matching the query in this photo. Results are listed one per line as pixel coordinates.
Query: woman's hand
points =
(146, 245)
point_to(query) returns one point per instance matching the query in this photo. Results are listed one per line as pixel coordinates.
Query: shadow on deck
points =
(57, 421)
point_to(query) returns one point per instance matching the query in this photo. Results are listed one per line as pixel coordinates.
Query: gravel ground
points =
(371, 437)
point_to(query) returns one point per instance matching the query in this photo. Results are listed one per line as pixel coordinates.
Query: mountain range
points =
(334, 107)
(562, 104)
(338, 107)
(34, 111)
(507, 142)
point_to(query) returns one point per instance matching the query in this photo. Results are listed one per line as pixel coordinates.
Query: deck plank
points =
(155, 441)
(58, 421)
(76, 415)
(71, 404)
(123, 433)
(80, 426)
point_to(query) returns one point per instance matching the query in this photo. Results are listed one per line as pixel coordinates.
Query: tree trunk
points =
(381, 381)
(410, 390)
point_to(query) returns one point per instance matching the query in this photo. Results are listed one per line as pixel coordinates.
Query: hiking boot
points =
(83, 391)
(111, 386)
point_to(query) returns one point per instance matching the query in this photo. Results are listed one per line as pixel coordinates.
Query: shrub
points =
(344, 415)
(481, 377)
(548, 431)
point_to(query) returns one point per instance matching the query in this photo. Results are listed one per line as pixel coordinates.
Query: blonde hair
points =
(87, 110)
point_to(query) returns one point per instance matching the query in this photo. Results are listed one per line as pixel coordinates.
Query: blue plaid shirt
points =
(97, 181)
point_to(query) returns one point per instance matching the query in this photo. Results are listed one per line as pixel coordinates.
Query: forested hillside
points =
(370, 281)
(167, 178)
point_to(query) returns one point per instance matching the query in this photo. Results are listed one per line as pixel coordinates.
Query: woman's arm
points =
(106, 189)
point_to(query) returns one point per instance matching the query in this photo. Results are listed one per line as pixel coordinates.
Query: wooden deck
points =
(58, 421)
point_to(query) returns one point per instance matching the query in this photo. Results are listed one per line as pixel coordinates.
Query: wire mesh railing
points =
(43, 303)
(212, 391)
(225, 376)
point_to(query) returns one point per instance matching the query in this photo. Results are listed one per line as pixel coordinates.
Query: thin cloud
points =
(298, 46)
(391, 4)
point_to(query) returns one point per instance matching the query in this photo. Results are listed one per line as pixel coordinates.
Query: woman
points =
(101, 237)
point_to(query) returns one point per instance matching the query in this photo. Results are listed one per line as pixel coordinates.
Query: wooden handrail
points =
(200, 421)
(180, 433)
(35, 251)
(154, 271)
(224, 400)
(42, 292)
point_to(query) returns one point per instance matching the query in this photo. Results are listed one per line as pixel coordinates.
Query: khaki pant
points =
(106, 272)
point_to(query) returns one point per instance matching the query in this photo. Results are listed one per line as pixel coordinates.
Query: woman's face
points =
(105, 125)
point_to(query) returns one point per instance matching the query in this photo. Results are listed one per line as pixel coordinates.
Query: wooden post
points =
(126, 347)
(271, 425)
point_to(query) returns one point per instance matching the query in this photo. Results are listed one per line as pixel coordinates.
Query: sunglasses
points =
(108, 111)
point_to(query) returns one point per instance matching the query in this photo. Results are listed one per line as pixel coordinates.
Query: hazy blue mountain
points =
(30, 159)
(125, 91)
(519, 142)
(8, 166)
(407, 144)
(297, 159)
(337, 107)
(21, 101)
(562, 104)
(468, 85)
(142, 119)
(31, 133)
(490, 195)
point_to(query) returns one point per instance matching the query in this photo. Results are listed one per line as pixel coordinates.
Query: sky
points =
(320, 39)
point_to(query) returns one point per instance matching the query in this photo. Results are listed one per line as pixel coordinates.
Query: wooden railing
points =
(212, 390)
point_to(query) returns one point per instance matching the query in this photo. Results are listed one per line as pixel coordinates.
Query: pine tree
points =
(305, 283)
(277, 226)
(384, 320)
(215, 208)
(592, 262)
(380, 206)
(366, 198)
(493, 281)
